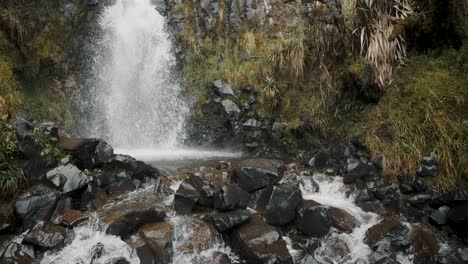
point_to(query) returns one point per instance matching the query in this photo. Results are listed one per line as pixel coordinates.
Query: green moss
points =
(424, 111)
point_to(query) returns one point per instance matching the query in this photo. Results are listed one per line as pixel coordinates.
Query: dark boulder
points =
(73, 218)
(102, 178)
(6, 216)
(225, 221)
(451, 199)
(45, 235)
(428, 167)
(36, 204)
(118, 260)
(87, 153)
(221, 258)
(389, 192)
(387, 260)
(319, 160)
(49, 129)
(258, 242)
(283, 205)
(131, 221)
(424, 246)
(392, 230)
(260, 199)
(92, 198)
(357, 170)
(315, 221)
(127, 167)
(341, 149)
(230, 197)
(141, 248)
(188, 194)
(159, 238)
(67, 178)
(18, 254)
(63, 205)
(342, 220)
(457, 218)
(123, 186)
(256, 174)
(439, 217)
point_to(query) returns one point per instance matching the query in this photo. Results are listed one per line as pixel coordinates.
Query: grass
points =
(424, 111)
(10, 96)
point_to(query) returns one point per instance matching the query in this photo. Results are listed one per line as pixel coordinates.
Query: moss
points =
(424, 111)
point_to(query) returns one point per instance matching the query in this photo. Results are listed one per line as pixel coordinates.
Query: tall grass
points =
(10, 97)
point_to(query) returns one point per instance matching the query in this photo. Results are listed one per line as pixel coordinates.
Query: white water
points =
(332, 193)
(173, 154)
(138, 102)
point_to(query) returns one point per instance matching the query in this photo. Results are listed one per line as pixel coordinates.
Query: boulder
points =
(36, 204)
(226, 221)
(118, 260)
(319, 160)
(221, 258)
(159, 238)
(73, 218)
(33, 164)
(387, 260)
(92, 198)
(258, 242)
(102, 178)
(49, 129)
(335, 249)
(230, 197)
(131, 221)
(283, 205)
(391, 229)
(87, 153)
(388, 193)
(6, 216)
(457, 218)
(67, 178)
(439, 217)
(359, 171)
(123, 186)
(255, 174)
(424, 246)
(315, 221)
(428, 166)
(222, 88)
(63, 205)
(141, 249)
(124, 166)
(18, 254)
(451, 199)
(342, 220)
(230, 108)
(259, 199)
(45, 235)
(188, 194)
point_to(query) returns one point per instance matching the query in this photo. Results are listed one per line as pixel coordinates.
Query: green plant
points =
(10, 97)
(49, 145)
(11, 177)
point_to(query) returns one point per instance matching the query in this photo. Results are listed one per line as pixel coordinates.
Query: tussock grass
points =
(424, 111)
(10, 97)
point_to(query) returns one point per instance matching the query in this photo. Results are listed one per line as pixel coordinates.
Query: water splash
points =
(136, 101)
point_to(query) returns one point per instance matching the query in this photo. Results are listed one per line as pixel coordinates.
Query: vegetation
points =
(10, 96)
(11, 177)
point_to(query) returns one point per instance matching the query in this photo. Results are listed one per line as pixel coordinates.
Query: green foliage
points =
(424, 111)
(10, 97)
(11, 177)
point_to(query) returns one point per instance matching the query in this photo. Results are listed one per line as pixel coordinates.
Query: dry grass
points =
(10, 97)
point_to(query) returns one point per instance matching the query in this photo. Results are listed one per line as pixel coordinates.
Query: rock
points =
(118, 260)
(391, 229)
(463, 254)
(342, 220)
(419, 185)
(102, 179)
(67, 178)
(45, 235)
(131, 221)
(451, 199)
(458, 220)
(230, 108)
(361, 171)
(256, 174)
(87, 153)
(252, 123)
(420, 200)
(159, 237)
(226, 221)
(49, 129)
(308, 259)
(406, 188)
(258, 242)
(6, 216)
(63, 205)
(222, 88)
(127, 167)
(389, 192)
(260, 199)
(141, 249)
(315, 221)
(36, 204)
(284, 203)
(18, 254)
(224, 165)
(93, 198)
(424, 246)
(382, 250)
(221, 258)
(428, 166)
(206, 196)
(188, 194)
(335, 249)
(230, 197)
(320, 160)
(439, 217)
(73, 218)
(33, 164)
(387, 260)
(93, 2)
(23, 127)
(341, 149)
(121, 187)
(201, 237)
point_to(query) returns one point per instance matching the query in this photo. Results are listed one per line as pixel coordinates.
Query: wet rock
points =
(451, 199)
(221, 258)
(45, 235)
(382, 250)
(359, 171)
(388, 193)
(18, 254)
(308, 259)
(320, 160)
(341, 149)
(222, 88)
(33, 164)
(63, 205)
(49, 129)
(342, 220)
(315, 221)
(159, 237)
(420, 200)
(102, 179)
(406, 188)
(419, 185)
(258, 242)
(424, 246)
(457, 218)
(207, 193)
(284, 203)
(439, 217)
(119, 260)
(73, 218)
(463, 254)
(6, 217)
(224, 165)
(141, 249)
(188, 194)
(36, 204)
(372, 206)
(121, 187)
(256, 174)
(230, 197)
(387, 260)
(225, 221)
(335, 249)
(67, 178)
(391, 229)
(92, 198)
(87, 153)
(428, 167)
(23, 127)
(201, 237)
(131, 221)
(260, 199)
(127, 167)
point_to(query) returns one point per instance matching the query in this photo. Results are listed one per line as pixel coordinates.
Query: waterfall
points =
(135, 100)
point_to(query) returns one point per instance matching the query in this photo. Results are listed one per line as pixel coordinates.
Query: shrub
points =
(424, 111)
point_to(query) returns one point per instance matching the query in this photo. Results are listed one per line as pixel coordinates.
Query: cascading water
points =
(136, 101)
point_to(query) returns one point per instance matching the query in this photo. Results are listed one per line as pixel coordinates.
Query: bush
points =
(10, 97)
(424, 111)
(11, 177)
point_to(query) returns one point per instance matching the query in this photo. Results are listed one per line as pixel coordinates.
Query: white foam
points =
(162, 154)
